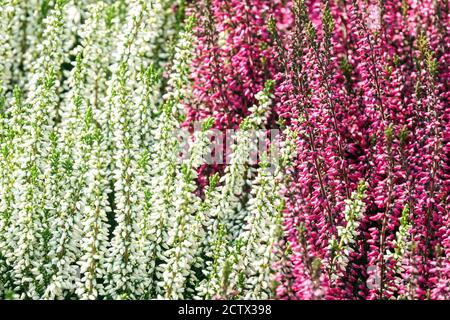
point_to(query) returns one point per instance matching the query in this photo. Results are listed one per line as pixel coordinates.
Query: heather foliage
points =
(112, 125)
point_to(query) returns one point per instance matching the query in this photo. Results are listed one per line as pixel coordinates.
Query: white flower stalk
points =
(141, 34)
(216, 267)
(87, 84)
(141, 44)
(96, 43)
(11, 127)
(342, 246)
(94, 207)
(200, 259)
(67, 176)
(238, 172)
(50, 56)
(252, 275)
(160, 193)
(171, 215)
(247, 142)
(177, 260)
(34, 15)
(44, 48)
(148, 99)
(132, 43)
(73, 20)
(31, 230)
(75, 12)
(186, 227)
(163, 171)
(207, 252)
(402, 250)
(403, 237)
(9, 130)
(5, 204)
(232, 184)
(168, 29)
(126, 267)
(32, 26)
(228, 212)
(178, 90)
(145, 243)
(129, 123)
(144, 123)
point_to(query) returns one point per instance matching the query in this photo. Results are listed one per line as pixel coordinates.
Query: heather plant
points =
(99, 187)
(173, 149)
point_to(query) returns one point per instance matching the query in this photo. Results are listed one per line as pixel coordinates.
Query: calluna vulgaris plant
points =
(115, 117)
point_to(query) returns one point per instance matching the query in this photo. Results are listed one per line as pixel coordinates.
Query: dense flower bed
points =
(222, 149)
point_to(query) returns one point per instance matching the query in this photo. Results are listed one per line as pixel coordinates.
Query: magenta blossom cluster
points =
(365, 87)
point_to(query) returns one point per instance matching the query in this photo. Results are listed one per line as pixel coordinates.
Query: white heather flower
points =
(175, 203)
(11, 14)
(142, 118)
(94, 206)
(402, 251)
(148, 93)
(178, 90)
(164, 160)
(139, 36)
(11, 127)
(343, 245)
(402, 240)
(129, 118)
(96, 44)
(252, 275)
(181, 234)
(133, 39)
(67, 187)
(43, 48)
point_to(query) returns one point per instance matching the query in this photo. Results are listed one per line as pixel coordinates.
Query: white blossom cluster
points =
(402, 253)
(96, 201)
(242, 227)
